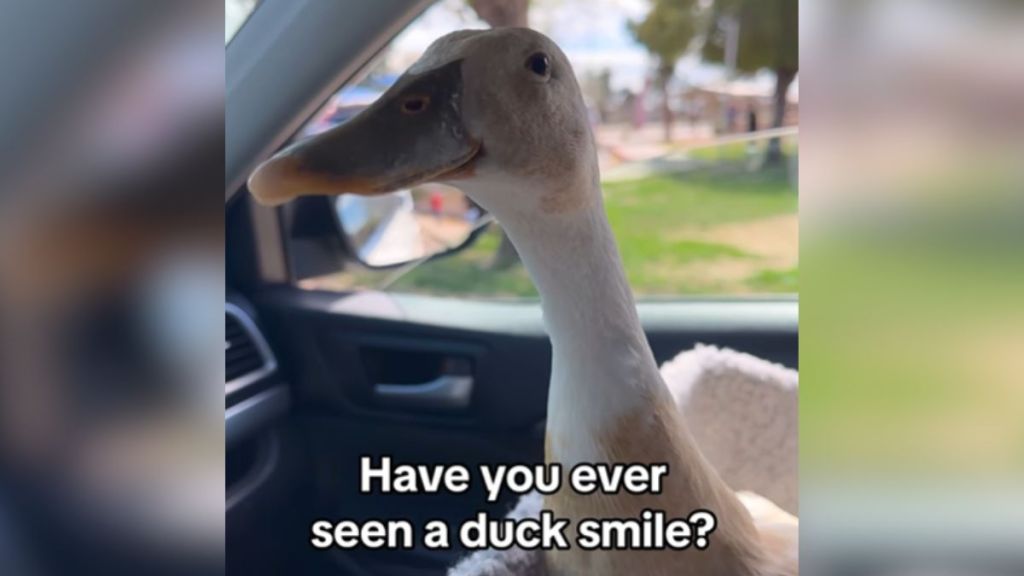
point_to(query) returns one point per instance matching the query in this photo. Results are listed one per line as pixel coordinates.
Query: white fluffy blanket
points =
(741, 409)
(743, 412)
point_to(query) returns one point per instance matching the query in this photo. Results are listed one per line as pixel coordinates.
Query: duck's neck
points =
(607, 401)
(603, 368)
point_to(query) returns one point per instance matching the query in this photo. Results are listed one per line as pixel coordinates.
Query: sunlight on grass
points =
(740, 151)
(700, 198)
(775, 281)
(701, 231)
(658, 221)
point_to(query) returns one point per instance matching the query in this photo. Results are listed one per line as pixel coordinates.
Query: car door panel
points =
(332, 347)
(505, 343)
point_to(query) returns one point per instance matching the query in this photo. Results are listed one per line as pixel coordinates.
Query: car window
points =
(236, 12)
(703, 204)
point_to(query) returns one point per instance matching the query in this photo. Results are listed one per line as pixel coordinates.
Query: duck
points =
(499, 114)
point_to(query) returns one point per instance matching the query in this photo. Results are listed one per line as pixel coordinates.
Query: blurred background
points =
(911, 204)
(111, 287)
(912, 325)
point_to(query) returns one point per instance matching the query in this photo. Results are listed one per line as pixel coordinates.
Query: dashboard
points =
(256, 399)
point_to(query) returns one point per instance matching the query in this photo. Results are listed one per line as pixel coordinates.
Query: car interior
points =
(317, 378)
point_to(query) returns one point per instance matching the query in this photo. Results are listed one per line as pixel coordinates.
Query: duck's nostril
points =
(415, 104)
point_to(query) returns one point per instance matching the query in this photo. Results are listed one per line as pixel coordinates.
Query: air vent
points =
(246, 355)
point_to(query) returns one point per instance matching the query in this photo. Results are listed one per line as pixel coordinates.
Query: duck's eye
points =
(415, 104)
(539, 64)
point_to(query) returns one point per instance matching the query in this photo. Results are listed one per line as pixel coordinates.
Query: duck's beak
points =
(414, 133)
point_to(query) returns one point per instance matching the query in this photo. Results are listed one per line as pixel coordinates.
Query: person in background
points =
(753, 152)
(730, 118)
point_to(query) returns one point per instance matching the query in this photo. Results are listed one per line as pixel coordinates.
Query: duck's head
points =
(497, 113)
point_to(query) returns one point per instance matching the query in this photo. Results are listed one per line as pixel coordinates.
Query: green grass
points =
(665, 227)
(649, 214)
(739, 151)
(651, 218)
(775, 281)
(734, 151)
(702, 197)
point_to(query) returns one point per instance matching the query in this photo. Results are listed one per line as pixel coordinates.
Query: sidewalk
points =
(625, 153)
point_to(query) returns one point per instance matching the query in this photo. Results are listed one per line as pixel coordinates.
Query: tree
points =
(767, 38)
(499, 14)
(666, 32)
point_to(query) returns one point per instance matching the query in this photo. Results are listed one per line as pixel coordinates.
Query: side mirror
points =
(408, 225)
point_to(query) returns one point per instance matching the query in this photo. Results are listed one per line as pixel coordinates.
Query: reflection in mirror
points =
(407, 225)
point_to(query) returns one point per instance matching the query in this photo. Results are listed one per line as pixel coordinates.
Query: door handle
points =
(446, 392)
